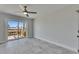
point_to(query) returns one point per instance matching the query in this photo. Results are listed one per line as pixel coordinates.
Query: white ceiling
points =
(15, 9)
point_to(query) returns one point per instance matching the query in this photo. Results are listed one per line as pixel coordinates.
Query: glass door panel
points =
(16, 29)
(12, 29)
(22, 32)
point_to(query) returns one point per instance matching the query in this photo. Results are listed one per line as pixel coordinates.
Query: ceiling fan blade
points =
(21, 7)
(32, 12)
(27, 15)
(18, 11)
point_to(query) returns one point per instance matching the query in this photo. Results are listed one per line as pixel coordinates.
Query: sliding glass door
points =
(21, 29)
(16, 29)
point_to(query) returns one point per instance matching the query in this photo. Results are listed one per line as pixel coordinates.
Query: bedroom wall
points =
(59, 27)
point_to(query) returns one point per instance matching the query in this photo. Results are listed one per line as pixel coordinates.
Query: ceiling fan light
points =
(25, 13)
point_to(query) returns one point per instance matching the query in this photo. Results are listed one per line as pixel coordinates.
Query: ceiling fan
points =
(26, 12)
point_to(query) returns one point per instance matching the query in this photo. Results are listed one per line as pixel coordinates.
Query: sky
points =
(14, 23)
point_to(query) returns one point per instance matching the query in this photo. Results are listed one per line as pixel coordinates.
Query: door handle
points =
(78, 36)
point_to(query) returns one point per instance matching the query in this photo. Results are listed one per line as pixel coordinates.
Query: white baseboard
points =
(3, 42)
(58, 44)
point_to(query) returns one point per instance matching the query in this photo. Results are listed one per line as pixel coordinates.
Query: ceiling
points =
(16, 9)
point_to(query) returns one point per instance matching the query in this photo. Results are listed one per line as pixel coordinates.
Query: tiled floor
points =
(32, 46)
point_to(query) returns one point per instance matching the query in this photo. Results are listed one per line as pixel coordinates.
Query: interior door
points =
(78, 40)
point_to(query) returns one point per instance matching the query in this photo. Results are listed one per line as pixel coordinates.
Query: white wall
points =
(58, 27)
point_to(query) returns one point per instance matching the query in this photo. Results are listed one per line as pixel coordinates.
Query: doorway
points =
(16, 29)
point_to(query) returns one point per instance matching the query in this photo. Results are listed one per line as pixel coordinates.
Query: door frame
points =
(18, 28)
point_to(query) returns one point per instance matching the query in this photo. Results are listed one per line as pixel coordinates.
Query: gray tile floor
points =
(32, 46)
